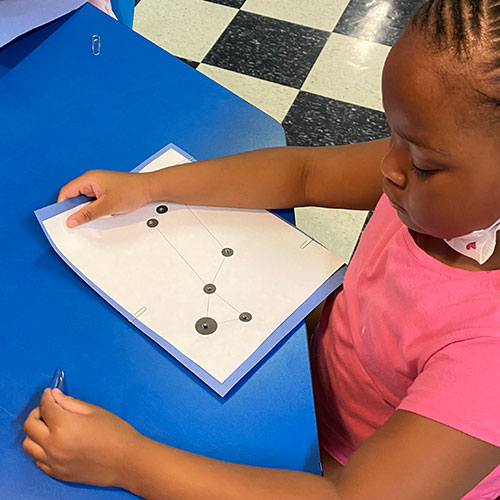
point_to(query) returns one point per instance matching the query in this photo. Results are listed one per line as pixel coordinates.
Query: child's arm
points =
(409, 458)
(336, 176)
(76, 441)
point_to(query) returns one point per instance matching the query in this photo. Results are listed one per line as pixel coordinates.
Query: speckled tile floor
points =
(313, 65)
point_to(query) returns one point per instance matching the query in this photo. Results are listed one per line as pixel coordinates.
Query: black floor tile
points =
(193, 64)
(315, 120)
(229, 3)
(268, 48)
(367, 220)
(379, 21)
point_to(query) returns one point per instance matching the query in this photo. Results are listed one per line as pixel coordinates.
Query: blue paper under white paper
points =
(222, 387)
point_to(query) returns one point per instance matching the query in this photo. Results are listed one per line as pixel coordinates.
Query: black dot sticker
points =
(162, 209)
(206, 326)
(152, 222)
(245, 317)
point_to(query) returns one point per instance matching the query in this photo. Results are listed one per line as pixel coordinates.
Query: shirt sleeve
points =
(459, 386)
(104, 5)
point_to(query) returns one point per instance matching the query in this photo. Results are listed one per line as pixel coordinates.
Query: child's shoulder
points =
(390, 273)
(390, 246)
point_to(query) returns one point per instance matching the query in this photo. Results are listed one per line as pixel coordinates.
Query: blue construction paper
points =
(20, 16)
(267, 346)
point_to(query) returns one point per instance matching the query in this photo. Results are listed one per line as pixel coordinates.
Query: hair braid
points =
(455, 24)
(462, 26)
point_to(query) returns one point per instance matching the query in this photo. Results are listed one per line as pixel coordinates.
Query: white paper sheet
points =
(157, 266)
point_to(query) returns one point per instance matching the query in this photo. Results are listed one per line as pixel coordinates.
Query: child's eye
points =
(422, 173)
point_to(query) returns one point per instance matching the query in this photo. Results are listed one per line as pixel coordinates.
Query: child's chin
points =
(406, 220)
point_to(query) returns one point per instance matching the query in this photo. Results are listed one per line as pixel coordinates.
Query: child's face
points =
(443, 167)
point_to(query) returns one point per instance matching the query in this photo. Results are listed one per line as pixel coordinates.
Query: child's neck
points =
(441, 251)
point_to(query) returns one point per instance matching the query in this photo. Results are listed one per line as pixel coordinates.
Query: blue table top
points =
(64, 111)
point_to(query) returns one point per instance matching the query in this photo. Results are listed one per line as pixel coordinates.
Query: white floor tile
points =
(338, 230)
(273, 99)
(185, 28)
(349, 70)
(320, 14)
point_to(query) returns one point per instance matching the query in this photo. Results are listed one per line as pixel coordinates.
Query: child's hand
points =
(76, 441)
(116, 193)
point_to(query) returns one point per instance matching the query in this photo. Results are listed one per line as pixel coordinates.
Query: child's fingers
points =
(66, 192)
(34, 450)
(74, 188)
(34, 413)
(35, 428)
(91, 211)
(71, 404)
(50, 411)
(44, 467)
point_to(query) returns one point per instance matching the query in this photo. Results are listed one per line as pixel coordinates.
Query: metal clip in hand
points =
(57, 380)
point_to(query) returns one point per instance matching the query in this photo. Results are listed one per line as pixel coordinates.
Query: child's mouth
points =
(396, 206)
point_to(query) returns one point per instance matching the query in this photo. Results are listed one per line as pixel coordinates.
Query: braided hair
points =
(470, 29)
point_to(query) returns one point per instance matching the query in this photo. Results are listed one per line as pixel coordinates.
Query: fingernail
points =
(72, 223)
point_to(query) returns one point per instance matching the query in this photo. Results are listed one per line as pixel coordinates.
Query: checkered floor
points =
(314, 65)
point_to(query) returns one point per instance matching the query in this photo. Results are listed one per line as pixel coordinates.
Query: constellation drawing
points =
(206, 325)
(179, 273)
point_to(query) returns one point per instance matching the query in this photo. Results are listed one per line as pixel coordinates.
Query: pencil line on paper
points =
(218, 270)
(206, 228)
(305, 244)
(224, 300)
(228, 321)
(181, 256)
(142, 310)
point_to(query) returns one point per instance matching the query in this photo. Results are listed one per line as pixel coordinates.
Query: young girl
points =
(405, 361)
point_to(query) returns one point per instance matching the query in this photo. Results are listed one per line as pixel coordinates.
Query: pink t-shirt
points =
(104, 5)
(408, 332)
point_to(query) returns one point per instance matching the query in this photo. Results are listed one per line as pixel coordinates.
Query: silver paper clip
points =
(57, 379)
(96, 45)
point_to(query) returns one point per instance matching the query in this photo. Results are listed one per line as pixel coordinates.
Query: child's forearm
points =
(159, 472)
(266, 178)
(336, 176)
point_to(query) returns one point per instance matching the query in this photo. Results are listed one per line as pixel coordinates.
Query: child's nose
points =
(394, 165)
